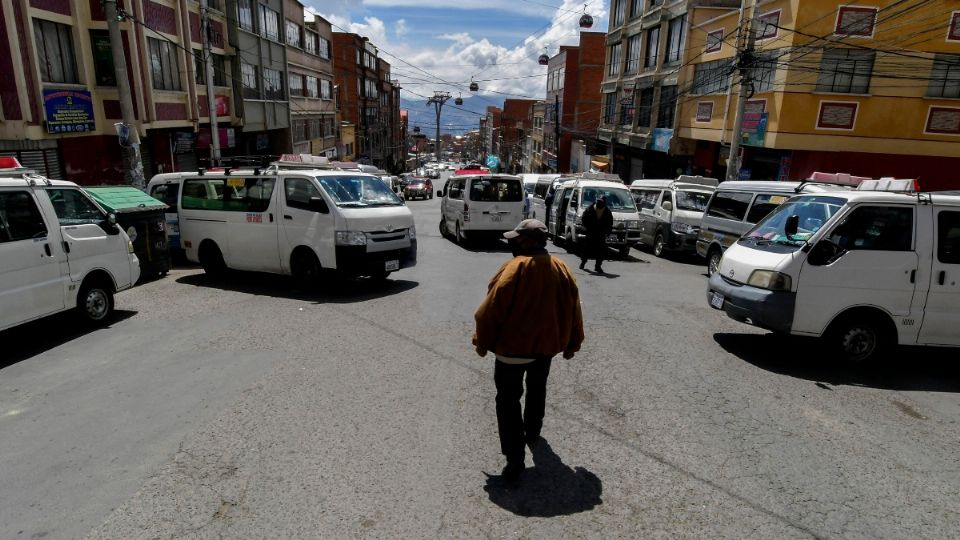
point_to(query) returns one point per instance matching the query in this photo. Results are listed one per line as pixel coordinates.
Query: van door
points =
(561, 202)
(252, 229)
(647, 202)
(663, 215)
(941, 318)
(304, 225)
(573, 207)
(876, 266)
(31, 284)
(169, 193)
(453, 209)
(87, 240)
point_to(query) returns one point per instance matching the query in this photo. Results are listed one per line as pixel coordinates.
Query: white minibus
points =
(671, 211)
(480, 205)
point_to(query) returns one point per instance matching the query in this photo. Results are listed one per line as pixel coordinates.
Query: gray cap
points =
(528, 227)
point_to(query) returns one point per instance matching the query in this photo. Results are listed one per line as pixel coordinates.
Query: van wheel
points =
(305, 269)
(444, 233)
(858, 337)
(658, 245)
(461, 237)
(211, 259)
(713, 261)
(95, 302)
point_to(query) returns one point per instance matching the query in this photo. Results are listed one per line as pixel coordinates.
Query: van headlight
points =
(351, 238)
(129, 246)
(633, 224)
(413, 232)
(770, 280)
(683, 228)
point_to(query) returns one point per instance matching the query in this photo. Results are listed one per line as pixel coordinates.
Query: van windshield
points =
(695, 201)
(618, 199)
(812, 213)
(496, 190)
(359, 191)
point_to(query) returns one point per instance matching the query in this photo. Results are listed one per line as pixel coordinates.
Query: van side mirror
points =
(791, 226)
(440, 194)
(667, 205)
(109, 225)
(317, 204)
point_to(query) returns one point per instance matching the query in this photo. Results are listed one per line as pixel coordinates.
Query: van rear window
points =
(496, 190)
(729, 205)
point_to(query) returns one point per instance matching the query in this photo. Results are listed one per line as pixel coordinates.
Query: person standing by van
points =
(531, 314)
(598, 222)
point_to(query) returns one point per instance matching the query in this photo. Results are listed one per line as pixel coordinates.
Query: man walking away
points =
(598, 222)
(531, 314)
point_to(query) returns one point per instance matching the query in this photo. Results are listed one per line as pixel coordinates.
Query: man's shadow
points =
(549, 488)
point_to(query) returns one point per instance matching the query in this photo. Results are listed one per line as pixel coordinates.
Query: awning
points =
(599, 165)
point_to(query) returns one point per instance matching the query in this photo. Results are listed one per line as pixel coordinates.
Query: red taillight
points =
(9, 162)
(466, 212)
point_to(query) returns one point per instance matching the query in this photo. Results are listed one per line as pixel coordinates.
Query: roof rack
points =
(832, 179)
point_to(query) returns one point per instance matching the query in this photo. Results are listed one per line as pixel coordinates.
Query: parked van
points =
(59, 250)
(863, 269)
(296, 222)
(480, 204)
(547, 185)
(736, 206)
(671, 211)
(573, 197)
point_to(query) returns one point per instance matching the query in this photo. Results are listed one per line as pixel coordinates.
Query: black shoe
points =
(583, 264)
(598, 270)
(511, 473)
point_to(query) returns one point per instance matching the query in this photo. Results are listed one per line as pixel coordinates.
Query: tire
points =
(659, 245)
(713, 261)
(211, 259)
(444, 232)
(858, 337)
(306, 269)
(624, 252)
(461, 237)
(95, 302)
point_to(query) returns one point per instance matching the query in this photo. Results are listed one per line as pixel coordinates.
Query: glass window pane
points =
(20, 219)
(948, 237)
(729, 205)
(74, 208)
(876, 228)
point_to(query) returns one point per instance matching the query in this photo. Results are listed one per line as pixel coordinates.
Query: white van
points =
(59, 250)
(863, 269)
(671, 211)
(736, 206)
(547, 185)
(575, 196)
(296, 222)
(480, 204)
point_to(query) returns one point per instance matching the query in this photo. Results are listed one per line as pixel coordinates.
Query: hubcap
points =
(859, 342)
(96, 304)
(659, 247)
(714, 264)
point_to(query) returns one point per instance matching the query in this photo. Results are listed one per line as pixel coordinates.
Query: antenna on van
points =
(201, 171)
(256, 171)
(226, 171)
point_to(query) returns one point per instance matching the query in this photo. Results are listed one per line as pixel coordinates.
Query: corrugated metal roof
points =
(124, 199)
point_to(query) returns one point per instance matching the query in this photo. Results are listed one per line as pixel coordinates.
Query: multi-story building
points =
(867, 89)
(58, 93)
(491, 130)
(515, 123)
(573, 98)
(313, 111)
(646, 51)
(535, 162)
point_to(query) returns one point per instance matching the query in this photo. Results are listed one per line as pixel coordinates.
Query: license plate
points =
(612, 238)
(496, 217)
(390, 266)
(716, 300)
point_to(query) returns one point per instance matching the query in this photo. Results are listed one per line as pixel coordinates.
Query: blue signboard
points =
(68, 111)
(493, 163)
(660, 139)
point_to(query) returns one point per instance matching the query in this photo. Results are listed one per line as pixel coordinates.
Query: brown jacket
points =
(532, 309)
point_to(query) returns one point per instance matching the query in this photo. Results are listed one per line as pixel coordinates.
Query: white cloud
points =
(461, 38)
(400, 28)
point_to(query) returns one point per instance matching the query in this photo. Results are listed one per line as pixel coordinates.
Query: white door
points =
(303, 225)
(876, 266)
(252, 228)
(663, 215)
(30, 281)
(453, 203)
(88, 240)
(646, 200)
(941, 318)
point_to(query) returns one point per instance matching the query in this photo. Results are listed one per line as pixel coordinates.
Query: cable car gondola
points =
(586, 21)
(458, 101)
(473, 85)
(543, 60)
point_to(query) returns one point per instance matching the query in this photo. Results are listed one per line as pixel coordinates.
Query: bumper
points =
(772, 310)
(623, 238)
(357, 261)
(702, 247)
(682, 242)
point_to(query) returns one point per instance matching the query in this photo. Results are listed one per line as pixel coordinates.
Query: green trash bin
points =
(142, 217)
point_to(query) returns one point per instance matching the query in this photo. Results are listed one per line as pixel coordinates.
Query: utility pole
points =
(556, 129)
(745, 61)
(128, 131)
(205, 33)
(438, 99)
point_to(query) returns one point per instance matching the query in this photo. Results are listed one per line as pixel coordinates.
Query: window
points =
(312, 90)
(494, 190)
(704, 111)
(943, 120)
(272, 84)
(626, 109)
(245, 14)
(711, 77)
(168, 193)
(636, 8)
(299, 191)
(618, 8)
(614, 56)
(74, 208)
(714, 41)
(653, 48)
(293, 34)
(646, 107)
(324, 51)
(675, 34)
(20, 219)
(953, 31)
(295, 83)
(765, 70)
(837, 115)
(55, 52)
(163, 65)
(248, 75)
(876, 228)
(763, 205)
(646, 199)
(633, 54)
(241, 195)
(269, 23)
(945, 76)
(219, 69)
(310, 41)
(845, 71)
(855, 21)
(667, 107)
(667, 198)
(769, 25)
(326, 89)
(948, 237)
(102, 58)
(729, 205)
(609, 107)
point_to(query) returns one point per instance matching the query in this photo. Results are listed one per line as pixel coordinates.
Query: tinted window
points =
(728, 205)
(618, 199)
(167, 193)
(496, 190)
(20, 219)
(876, 228)
(541, 190)
(695, 201)
(74, 208)
(299, 191)
(645, 198)
(763, 205)
(667, 198)
(948, 237)
(227, 194)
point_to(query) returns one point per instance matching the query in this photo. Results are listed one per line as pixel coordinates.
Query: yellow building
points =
(871, 89)
(347, 147)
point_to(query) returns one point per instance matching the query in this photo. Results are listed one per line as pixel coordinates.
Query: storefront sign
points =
(68, 111)
(660, 139)
(184, 142)
(754, 128)
(263, 141)
(227, 138)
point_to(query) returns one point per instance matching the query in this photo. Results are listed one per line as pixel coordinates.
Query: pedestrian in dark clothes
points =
(598, 222)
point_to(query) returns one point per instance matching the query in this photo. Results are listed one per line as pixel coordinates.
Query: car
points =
(418, 188)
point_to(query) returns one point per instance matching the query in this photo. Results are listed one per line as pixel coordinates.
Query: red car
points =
(419, 187)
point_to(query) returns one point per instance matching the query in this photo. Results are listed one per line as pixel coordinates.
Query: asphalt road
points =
(242, 409)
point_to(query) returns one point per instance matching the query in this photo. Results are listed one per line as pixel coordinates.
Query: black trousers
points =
(595, 248)
(515, 427)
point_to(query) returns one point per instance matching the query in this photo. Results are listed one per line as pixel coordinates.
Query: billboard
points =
(68, 111)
